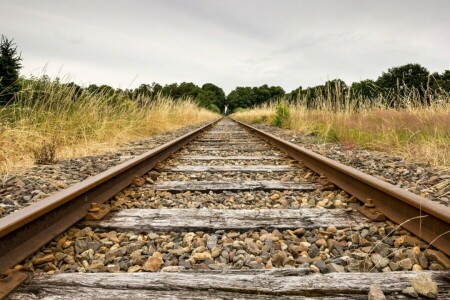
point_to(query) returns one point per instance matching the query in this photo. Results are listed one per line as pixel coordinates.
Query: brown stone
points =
(320, 242)
(332, 229)
(201, 256)
(299, 231)
(406, 239)
(138, 181)
(44, 259)
(61, 241)
(233, 235)
(375, 293)
(423, 285)
(153, 263)
(278, 258)
(275, 196)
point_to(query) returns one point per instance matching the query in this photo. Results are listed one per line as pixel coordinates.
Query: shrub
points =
(214, 108)
(240, 109)
(45, 154)
(261, 120)
(282, 115)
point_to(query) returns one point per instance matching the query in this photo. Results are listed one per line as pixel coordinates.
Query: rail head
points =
(423, 217)
(43, 220)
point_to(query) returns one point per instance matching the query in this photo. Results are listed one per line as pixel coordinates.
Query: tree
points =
(182, 90)
(204, 98)
(399, 81)
(218, 99)
(244, 97)
(365, 89)
(9, 69)
(144, 90)
(295, 95)
(241, 97)
(73, 89)
(442, 81)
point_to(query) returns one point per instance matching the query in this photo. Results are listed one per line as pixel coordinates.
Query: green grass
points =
(414, 133)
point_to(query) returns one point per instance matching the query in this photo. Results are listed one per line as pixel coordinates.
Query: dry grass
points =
(46, 115)
(419, 134)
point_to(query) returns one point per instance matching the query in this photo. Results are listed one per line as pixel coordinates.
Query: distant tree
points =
(219, 96)
(365, 89)
(184, 89)
(106, 90)
(399, 81)
(188, 89)
(156, 88)
(244, 97)
(240, 97)
(335, 91)
(276, 92)
(170, 90)
(74, 89)
(9, 69)
(410, 75)
(442, 81)
(204, 98)
(262, 95)
(265, 93)
(144, 90)
(92, 89)
(295, 94)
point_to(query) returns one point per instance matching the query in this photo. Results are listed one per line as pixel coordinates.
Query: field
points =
(414, 133)
(46, 123)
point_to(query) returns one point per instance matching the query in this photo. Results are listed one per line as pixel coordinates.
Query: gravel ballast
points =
(418, 178)
(381, 248)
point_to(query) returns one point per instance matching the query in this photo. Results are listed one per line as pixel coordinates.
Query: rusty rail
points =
(25, 231)
(397, 204)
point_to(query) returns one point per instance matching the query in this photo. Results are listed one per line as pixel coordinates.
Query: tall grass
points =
(49, 113)
(416, 132)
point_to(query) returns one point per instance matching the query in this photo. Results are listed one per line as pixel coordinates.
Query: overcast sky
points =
(229, 43)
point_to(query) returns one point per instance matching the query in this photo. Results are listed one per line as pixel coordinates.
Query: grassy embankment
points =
(48, 121)
(414, 132)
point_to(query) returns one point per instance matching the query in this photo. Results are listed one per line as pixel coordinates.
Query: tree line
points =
(392, 88)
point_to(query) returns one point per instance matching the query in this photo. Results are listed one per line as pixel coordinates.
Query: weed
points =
(261, 120)
(45, 154)
(282, 115)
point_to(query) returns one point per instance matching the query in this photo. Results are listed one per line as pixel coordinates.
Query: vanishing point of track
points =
(225, 214)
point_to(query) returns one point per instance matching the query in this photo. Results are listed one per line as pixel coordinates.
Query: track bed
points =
(231, 216)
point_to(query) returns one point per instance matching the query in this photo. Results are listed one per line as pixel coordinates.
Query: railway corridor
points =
(231, 216)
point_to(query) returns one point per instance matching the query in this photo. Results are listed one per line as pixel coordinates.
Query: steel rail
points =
(25, 231)
(426, 219)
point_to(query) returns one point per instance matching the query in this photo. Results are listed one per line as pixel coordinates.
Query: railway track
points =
(226, 211)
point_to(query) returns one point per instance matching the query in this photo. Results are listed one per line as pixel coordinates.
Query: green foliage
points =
(282, 115)
(365, 89)
(397, 78)
(245, 97)
(326, 132)
(261, 120)
(240, 109)
(441, 82)
(217, 97)
(9, 69)
(331, 136)
(214, 108)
